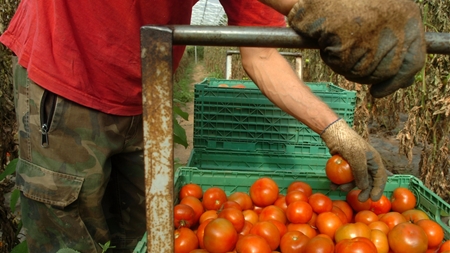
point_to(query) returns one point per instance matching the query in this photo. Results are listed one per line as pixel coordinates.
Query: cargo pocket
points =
(49, 187)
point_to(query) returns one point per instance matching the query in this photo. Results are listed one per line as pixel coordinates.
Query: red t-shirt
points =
(88, 51)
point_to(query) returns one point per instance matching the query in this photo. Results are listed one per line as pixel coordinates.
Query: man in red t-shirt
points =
(79, 105)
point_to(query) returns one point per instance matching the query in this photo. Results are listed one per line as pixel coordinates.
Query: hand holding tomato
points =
(365, 162)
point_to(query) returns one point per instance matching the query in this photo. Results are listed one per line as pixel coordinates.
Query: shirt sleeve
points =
(252, 13)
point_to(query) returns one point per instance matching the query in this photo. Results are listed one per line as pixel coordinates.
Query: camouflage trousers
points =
(80, 172)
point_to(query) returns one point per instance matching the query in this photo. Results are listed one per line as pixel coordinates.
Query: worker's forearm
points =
(277, 80)
(282, 6)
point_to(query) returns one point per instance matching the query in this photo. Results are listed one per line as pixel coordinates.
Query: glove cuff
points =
(332, 123)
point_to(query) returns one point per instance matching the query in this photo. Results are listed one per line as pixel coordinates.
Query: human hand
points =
(365, 162)
(374, 42)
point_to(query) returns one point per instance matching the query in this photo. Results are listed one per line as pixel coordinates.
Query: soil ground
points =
(383, 141)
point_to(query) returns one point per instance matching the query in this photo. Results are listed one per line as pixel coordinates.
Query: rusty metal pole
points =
(156, 54)
(157, 88)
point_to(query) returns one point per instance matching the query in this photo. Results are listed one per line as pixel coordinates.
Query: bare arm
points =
(278, 81)
(282, 6)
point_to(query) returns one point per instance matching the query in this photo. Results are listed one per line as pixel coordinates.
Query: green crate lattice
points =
(244, 119)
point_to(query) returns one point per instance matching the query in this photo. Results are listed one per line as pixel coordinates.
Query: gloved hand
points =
(376, 42)
(365, 162)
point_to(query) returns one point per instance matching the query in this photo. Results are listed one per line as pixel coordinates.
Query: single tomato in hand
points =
(338, 170)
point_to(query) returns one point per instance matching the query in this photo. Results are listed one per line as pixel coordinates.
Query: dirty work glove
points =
(378, 42)
(365, 162)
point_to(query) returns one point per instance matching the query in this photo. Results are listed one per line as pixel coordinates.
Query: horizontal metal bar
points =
(437, 43)
(295, 54)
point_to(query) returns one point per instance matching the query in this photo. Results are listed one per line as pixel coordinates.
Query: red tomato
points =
(281, 203)
(246, 229)
(357, 244)
(294, 196)
(194, 190)
(293, 242)
(319, 244)
(352, 199)
(402, 199)
(352, 230)
(201, 232)
(220, 236)
(379, 225)
(379, 239)
(251, 244)
(306, 229)
(327, 223)
(231, 204)
(299, 212)
(392, 219)
(183, 216)
(196, 205)
(444, 247)
(300, 186)
(210, 214)
(383, 205)
(345, 207)
(213, 198)
(243, 199)
(407, 237)
(272, 212)
(185, 240)
(264, 192)
(340, 214)
(366, 217)
(313, 220)
(268, 231)
(414, 215)
(281, 226)
(338, 170)
(235, 216)
(434, 232)
(250, 216)
(320, 203)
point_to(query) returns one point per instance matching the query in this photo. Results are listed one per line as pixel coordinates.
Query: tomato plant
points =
(402, 199)
(407, 237)
(264, 191)
(220, 236)
(185, 240)
(338, 170)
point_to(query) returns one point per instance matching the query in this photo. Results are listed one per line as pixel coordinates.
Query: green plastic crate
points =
(232, 181)
(306, 157)
(233, 118)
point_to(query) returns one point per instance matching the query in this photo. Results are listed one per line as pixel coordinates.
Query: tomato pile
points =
(301, 220)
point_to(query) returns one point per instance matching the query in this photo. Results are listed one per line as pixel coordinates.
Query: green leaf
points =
(179, 134)
(10, 169)
(14, 198)
(177, 110)
(20, 248)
